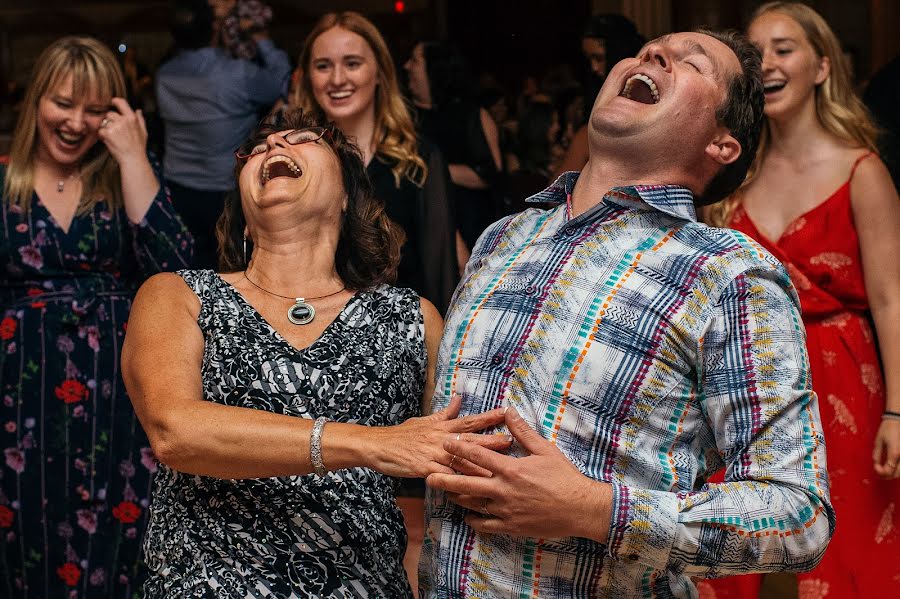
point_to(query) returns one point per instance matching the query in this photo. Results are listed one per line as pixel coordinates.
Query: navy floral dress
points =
(338, 536)
(76, 468)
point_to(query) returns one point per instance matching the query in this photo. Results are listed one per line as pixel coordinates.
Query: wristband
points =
(315, 446)
(887, 414)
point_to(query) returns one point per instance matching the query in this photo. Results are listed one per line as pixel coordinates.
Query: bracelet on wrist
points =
(315, 446)
(889, 415)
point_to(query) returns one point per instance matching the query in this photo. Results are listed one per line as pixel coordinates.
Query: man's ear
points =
(724, 149)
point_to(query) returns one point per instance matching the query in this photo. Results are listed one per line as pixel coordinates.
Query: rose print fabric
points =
(820, 250)
(76, 467)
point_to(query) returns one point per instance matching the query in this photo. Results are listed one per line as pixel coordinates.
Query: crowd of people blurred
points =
(116, 173)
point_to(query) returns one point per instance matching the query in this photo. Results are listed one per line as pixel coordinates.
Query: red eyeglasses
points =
(295, 137)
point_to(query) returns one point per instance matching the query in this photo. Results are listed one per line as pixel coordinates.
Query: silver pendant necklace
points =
(302, 312)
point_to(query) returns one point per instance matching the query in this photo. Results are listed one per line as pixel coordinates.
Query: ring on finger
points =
(458, 435)
(484, 509)
(104, 122)
(452, 461)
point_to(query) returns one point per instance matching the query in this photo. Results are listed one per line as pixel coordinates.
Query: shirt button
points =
(530, 290)
(568, 231)
(497, 359)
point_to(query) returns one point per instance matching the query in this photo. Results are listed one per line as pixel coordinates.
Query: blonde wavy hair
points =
(395, 134)
(94, 71)
(839, 109)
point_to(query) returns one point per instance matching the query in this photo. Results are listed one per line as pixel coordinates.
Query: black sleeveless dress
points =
(300, 536)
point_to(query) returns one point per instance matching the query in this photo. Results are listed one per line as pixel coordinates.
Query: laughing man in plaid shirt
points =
(639, 351)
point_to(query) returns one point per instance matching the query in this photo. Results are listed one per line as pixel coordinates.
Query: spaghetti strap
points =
(856, 164)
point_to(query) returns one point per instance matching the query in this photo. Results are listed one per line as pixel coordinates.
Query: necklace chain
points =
(295, 298)
(61, 184)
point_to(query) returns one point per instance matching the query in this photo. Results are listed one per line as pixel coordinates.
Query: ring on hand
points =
(452, 461)
(104, 122)
(458, 435)
(484, 509)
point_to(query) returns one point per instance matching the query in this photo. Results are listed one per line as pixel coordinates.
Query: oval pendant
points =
(301, 312)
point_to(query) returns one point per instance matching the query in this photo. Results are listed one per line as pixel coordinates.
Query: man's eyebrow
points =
(695, 47)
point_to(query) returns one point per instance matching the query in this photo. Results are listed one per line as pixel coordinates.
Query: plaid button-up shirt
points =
(652, 350)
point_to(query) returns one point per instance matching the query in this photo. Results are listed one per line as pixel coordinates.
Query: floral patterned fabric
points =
(77, 467)
(820, 250)
(337, 536)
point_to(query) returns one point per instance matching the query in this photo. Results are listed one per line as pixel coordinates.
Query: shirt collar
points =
(673, 200)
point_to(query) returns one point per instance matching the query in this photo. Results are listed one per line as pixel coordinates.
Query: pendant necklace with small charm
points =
(61, 184)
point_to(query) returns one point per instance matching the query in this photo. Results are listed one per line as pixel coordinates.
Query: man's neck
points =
(608, 168)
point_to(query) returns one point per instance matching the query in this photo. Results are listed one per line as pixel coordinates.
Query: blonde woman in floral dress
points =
(84, 221)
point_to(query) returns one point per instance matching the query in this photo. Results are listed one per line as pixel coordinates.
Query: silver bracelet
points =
(888, 415)
(315, 446)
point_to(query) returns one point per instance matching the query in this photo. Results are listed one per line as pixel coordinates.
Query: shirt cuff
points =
(643, 525)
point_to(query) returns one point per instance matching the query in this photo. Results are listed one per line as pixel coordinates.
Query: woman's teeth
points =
(69, 138)
(340, 95)
(280, 166)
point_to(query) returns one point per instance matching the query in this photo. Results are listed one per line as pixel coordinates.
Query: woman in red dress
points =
(824, 204)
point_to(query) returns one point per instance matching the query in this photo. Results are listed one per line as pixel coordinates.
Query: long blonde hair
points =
(839, 109)
(395, 134)
(93, 68)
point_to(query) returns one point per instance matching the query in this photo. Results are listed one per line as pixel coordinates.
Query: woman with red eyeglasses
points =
(281, 395)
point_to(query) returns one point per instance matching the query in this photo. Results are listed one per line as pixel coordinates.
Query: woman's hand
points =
(416, 447)
(886, 455)
(124, 132)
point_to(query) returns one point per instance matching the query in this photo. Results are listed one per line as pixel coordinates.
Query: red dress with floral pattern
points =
(820, 250)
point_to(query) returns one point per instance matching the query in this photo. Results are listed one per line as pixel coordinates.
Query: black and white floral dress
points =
(341, 535)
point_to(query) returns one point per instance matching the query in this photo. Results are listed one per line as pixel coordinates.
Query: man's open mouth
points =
(640, 88)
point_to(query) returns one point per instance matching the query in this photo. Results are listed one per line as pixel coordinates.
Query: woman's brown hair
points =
(368, 250)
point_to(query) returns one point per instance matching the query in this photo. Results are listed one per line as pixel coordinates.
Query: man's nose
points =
(657, 53)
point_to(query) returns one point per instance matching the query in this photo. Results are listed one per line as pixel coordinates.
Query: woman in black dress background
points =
(448, 114)
(348, 77)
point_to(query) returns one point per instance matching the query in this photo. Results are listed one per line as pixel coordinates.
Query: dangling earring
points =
(245, 250)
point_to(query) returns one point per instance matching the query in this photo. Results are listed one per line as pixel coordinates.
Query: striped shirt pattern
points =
(652, 351)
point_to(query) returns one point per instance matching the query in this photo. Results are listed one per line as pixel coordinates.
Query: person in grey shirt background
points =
(209, 102)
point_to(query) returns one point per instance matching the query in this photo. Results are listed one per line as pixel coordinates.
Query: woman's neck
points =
(45, 166)
(360, 129)
(296, 260)
(310, 276)
(794, 134)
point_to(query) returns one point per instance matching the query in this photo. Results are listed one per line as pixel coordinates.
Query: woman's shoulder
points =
(185, 282)
(398, 296)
